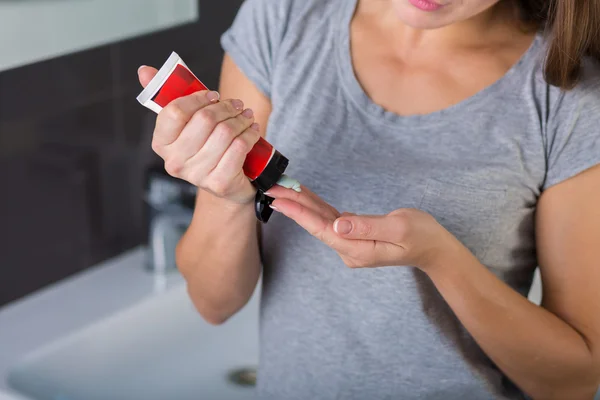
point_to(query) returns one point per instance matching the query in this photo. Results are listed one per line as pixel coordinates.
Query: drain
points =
(243, 377)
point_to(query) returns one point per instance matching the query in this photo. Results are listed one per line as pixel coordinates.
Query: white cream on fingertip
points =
(289, 183)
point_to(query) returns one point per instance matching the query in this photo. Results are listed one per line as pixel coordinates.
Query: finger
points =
(175, 116)
(281, 191)
(387, 228)
(313, 221)
(145, 74)
(196, 132)
(316, 197)
(220, 140)
(369, 251)
(326, 207)
(306, 198)
(317, 225)
(232, 162)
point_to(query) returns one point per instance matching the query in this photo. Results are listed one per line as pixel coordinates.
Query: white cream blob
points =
(289, 183)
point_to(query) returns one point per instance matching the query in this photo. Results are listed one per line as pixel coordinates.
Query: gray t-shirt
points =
(479, 167)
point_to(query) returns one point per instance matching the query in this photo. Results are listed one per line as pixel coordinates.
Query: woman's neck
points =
(412, 71)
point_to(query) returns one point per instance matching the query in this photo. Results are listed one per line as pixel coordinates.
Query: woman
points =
(465, 137)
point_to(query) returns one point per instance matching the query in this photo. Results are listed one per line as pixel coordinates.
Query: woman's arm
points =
(219, 255)
(552, 351)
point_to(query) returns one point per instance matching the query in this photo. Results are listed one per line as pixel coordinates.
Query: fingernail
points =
(342, 227)
(248, 113)
(238, 104)
(213, 96)
(273, 207)
(140, 68)
(255, 126)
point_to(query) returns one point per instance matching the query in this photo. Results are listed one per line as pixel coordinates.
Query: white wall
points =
(34, 30)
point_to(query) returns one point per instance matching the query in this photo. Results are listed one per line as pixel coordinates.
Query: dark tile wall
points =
(75, 147)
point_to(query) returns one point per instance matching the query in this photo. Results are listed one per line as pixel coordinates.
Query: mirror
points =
(58, 27)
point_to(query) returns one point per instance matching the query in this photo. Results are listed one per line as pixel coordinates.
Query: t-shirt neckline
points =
(357, 94)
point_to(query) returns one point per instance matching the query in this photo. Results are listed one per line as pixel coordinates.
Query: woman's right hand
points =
(205, 141)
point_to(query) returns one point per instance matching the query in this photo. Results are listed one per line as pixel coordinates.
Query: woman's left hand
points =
(403, 237)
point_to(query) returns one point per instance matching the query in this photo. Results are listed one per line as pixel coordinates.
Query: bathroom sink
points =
(155, 350)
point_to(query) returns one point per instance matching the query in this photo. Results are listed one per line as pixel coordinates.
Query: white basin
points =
(156, 350)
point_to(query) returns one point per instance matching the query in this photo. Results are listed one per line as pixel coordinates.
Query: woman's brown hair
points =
(573, 30)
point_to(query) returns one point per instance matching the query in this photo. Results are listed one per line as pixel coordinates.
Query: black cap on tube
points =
(265, 181)
(262, 207)
(272, 172)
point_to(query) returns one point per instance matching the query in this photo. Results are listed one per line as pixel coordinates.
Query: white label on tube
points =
(146, 96)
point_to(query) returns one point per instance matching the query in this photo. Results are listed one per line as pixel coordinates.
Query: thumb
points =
(145, 74)
(383, 228)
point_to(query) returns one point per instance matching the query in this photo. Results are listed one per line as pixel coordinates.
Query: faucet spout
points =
(166, 228)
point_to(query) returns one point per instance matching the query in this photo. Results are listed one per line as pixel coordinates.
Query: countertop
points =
(74, 303)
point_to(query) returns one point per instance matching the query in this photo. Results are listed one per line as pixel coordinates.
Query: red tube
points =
(182, 82)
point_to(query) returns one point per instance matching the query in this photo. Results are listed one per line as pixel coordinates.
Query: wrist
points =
(223, 208)
(449, 258)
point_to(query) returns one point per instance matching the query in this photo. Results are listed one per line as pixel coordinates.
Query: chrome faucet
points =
(166, 228)
(170, 202)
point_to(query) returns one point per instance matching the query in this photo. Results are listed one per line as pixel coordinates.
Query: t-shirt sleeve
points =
(254, 39)
(573, 136)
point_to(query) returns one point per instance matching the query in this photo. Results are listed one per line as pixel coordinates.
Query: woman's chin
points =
(418, 19)
(420, 22)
